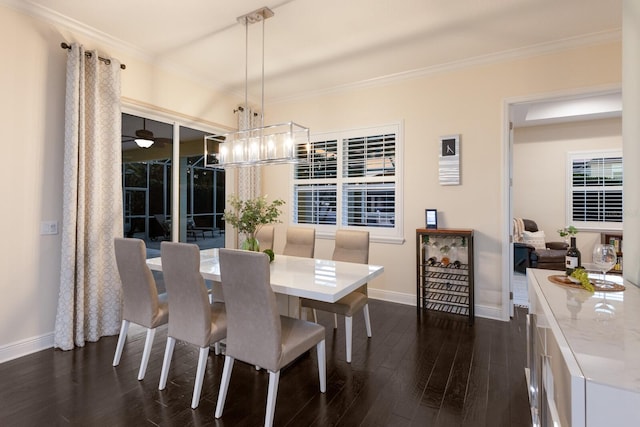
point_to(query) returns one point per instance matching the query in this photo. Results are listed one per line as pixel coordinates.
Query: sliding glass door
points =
(148, 166)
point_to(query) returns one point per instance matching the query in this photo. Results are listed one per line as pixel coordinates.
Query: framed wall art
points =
(449, 161)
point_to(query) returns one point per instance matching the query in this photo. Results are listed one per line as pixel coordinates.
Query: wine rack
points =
(445, 271)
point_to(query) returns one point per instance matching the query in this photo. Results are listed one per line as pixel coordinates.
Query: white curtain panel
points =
(89, 302)
(249, 186)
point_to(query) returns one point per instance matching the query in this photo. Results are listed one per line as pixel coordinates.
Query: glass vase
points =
(251, 244)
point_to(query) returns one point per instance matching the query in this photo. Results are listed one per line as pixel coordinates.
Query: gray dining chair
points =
(300, 242)
(193, 318)
(142, 304)
(350, 246)
(257, 334)
(265, 236)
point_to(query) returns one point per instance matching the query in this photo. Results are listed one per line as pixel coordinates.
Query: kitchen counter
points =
(596, 336)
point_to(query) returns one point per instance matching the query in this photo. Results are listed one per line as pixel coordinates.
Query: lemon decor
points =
(247, 216)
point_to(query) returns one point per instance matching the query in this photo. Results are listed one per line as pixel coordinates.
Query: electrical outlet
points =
(48, 227)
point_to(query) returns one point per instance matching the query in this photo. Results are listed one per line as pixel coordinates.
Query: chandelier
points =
(263, 145)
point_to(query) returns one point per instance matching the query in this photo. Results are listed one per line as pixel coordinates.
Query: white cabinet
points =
(583, 370)
(556, 383)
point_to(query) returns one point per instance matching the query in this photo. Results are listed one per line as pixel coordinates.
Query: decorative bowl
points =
(574, 279)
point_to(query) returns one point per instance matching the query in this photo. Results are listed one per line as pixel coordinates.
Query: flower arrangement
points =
(247, 216)
(568, 231)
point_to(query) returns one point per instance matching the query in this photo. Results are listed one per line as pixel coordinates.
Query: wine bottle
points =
(572, 258)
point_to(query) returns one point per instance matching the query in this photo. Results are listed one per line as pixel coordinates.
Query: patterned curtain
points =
(89, 302)
(249, 186)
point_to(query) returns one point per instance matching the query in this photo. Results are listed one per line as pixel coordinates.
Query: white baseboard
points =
(25, 347)
(42, 342)
(410, 299)
(489, 312)
(391, 296)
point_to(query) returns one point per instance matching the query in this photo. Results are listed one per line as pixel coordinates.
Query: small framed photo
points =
(431, 218)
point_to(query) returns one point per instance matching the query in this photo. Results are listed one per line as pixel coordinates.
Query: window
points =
(595, 189)
(352, 181)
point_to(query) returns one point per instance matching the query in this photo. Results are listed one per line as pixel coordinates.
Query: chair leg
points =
(274, 378)
(121, 339)
(224, 385)
(168, 353)
(348, 327)
(322, 365)
(148, 343)
(202, 366)
(216, 348)
(335, 321)
(367, 319)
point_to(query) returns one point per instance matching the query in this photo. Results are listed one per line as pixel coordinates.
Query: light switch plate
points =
(48, 227)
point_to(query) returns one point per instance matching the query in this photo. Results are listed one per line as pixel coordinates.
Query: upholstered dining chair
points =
(350, 246)
(301, 242)
(193, 319)
(142, 304)
(265, 236)
(257, 334)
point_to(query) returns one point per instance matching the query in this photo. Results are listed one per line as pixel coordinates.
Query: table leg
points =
(288, 305)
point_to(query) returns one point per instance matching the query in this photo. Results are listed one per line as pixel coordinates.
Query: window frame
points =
(394, 234)
(574, 156)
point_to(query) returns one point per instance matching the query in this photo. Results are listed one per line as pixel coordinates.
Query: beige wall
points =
(539, 171)
(469, 102)
(631, 136)
(32, 84)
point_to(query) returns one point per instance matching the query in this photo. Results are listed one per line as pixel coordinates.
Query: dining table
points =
(293, 277)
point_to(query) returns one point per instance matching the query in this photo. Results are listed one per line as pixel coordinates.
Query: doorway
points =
(540, 193)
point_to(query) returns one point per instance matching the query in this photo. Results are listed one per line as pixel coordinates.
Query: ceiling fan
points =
(144, 138)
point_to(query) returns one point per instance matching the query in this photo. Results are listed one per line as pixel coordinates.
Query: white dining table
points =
(295, 277)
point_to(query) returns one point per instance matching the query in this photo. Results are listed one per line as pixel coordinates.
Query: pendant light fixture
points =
(263, 145)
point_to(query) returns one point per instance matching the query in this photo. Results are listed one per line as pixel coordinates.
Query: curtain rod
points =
(88, 55)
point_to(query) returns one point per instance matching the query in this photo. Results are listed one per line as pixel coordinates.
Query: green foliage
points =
(568, 231)
(247, 216)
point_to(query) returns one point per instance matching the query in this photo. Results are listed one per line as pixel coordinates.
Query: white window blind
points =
(352, 180)
(595, 190)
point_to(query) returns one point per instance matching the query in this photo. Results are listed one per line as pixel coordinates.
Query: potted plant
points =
(247, 216)
(567, 232)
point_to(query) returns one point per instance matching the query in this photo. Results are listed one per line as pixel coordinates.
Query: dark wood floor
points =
(429, 370)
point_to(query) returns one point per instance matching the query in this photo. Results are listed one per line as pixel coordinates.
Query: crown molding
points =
(51, 16)
(504, 56)
(45, 14)
(29, 8)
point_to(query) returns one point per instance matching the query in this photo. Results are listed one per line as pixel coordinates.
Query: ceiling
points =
(316, 46)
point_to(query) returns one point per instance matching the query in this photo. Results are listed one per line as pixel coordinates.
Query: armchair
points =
(526, 254)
